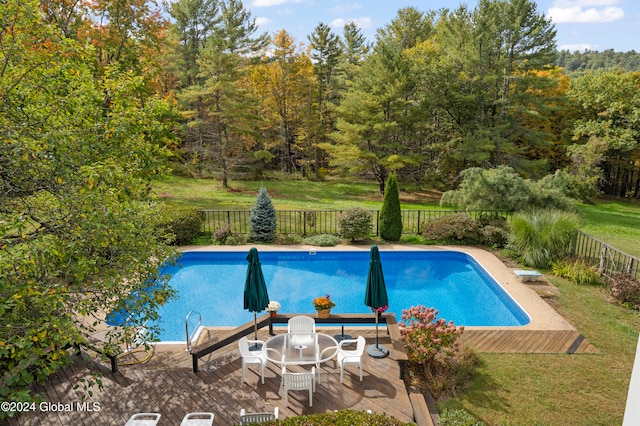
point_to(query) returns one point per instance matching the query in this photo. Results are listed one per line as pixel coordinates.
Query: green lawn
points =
(285, 194)
(615, 222)
(546, 389)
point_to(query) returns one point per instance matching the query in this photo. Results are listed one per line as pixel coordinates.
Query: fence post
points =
(603, 257)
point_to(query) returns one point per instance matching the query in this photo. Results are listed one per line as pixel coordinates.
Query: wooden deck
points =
(165, 382)
(527, 341)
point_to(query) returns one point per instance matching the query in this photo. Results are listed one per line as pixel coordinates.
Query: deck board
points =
(165, 383)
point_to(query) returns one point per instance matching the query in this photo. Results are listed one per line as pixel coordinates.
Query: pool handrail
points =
(190, 336)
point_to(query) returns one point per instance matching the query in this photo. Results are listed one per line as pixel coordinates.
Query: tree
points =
(390, 212)
(379, 124)
(325, 53)
(262, 219)
(194, 22)
(284, 86)
(494, 52)
(78, 232)
(221, 109)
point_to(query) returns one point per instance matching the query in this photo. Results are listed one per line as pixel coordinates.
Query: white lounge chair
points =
(143, 419)
(249, 418)
(299, 381)
(198, 419)
(252, 357)
(301, 324)
(352, 357)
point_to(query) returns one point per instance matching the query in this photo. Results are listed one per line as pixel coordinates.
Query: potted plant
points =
(273, 307)
(323, 305)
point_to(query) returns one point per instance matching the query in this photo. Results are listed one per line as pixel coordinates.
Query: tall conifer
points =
(390, 213)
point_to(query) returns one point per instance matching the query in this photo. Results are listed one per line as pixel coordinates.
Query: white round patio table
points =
(300, 348)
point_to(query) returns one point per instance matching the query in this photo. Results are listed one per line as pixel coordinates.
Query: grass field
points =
(509, 389)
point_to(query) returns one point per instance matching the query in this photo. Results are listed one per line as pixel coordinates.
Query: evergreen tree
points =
(262, 219)
(390, 213)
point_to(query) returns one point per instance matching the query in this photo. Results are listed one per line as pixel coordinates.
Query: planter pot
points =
(324, 313)
(272, 314)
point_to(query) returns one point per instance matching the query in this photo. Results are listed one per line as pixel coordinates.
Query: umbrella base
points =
(256, 347)
(377, 351)
(340, 337)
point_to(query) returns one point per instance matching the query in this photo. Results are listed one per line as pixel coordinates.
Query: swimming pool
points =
(453, 282)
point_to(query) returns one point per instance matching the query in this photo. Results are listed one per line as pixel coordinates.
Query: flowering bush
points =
(322, 303)
(273, 306)
(424, 335)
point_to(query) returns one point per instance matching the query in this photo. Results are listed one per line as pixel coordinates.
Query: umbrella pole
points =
(376, 314)
(377, 351)
(255, 346)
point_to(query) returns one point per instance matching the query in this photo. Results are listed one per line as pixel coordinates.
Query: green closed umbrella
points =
(256, 297)
(375, 297)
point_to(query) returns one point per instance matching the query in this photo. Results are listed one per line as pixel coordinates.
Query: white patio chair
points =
(301, 324)
(143, 419)
(250, 418)
(352, 357)
(198, 419)
(299, 381)
(251, 357)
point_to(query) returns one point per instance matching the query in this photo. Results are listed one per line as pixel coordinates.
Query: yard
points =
(508, 389)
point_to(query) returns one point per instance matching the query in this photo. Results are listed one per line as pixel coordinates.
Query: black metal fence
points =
(608, 259)
(312, 222)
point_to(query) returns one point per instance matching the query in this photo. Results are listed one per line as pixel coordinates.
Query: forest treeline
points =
(576, 62)
(437, 92)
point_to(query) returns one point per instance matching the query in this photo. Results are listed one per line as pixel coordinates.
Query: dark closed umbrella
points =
(256, 297)
(375, 297)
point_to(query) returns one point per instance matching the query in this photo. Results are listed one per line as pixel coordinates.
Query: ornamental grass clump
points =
(436, 360)
(541, 236)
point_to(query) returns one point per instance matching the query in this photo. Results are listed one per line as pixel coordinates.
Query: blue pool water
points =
(212, 283)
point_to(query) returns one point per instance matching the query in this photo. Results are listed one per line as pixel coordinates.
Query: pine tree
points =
(390, 213)
(262, 219)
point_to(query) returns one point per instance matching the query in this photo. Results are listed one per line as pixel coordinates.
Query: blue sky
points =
(580, 24)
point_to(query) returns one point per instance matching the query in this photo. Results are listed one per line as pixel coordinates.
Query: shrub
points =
(223, 235)
(323, 240)
(424, 335)
(576, 270)
(458, 417)
(183, 223)
(390, 212)
(452, 228)
(433, 352)
(504, 189)
(626, 289)
(355, 224)
(485, 189)
(340, 418)
(289, 239)
(262, 219)
(542, 236)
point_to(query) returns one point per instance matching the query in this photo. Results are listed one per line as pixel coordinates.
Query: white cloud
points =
(580, 47)
(583, 3)
(345, 8)
(263, 21)
(267, 3)
(362, 22)
(578, 14)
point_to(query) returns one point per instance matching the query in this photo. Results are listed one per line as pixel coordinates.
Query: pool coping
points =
(542, 315)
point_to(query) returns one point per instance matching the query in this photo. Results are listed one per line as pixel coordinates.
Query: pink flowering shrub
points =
(425, 336)
(436, 361)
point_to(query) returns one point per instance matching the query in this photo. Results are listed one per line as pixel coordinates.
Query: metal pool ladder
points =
(186, 323)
